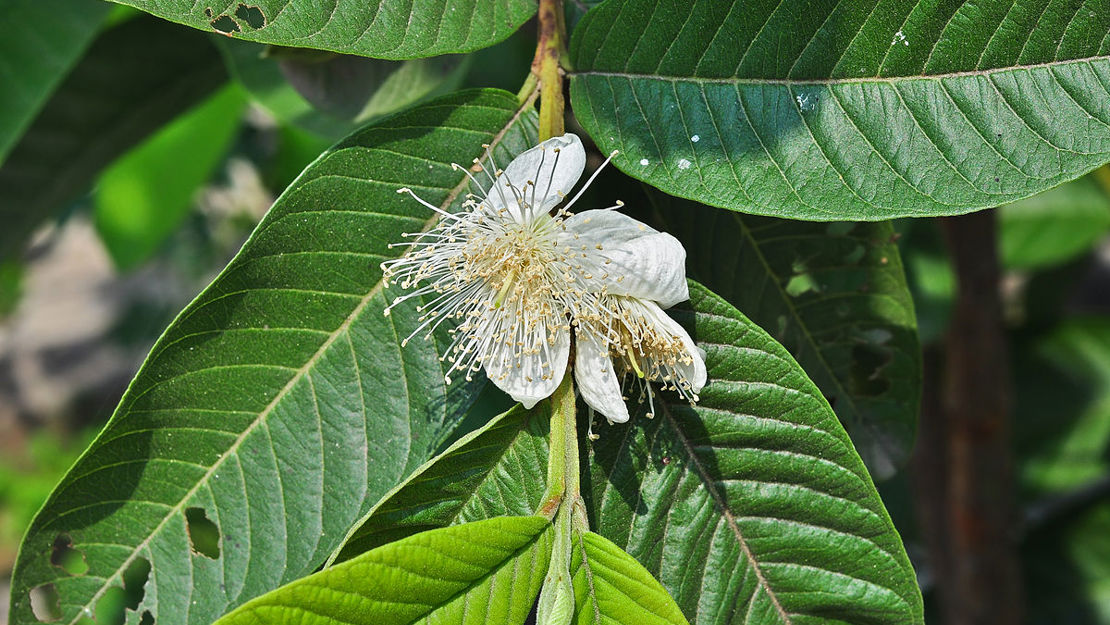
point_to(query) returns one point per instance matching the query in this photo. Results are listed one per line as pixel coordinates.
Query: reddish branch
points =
(963, 467)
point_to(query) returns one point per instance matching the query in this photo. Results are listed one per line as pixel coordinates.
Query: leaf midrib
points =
(297, 376)
(792, 82)
(707, 480)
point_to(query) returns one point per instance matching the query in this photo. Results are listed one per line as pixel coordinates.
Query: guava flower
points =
(517, 278)
(508, 272)
(645, 273)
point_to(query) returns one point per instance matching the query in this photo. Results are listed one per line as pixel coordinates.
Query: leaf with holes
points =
(384, 29)
(751, 507)
(39, 44)
(610, 586)
(497, 470)
(484, 572)
(833, 294)
(279, 403)
(137, 76)
(847, 110)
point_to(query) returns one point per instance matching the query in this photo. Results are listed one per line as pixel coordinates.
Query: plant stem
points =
(563, 499)
(546, 66)
(963, 467)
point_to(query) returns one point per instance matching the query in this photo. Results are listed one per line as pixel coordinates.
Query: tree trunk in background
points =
(963, 467)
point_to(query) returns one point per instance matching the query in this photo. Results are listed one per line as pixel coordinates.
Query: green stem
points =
(563, 500)
(563, 454)
(546, 66)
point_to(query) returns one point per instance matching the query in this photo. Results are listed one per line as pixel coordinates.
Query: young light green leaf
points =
(384, 29)
(846, 110)
(279, 405)
(137, 76)
(483, 572)
(751, 507)
(145, 195)
(834, 295)
(497, 470)
(610, 586)
(39, 44)
(1055, 226)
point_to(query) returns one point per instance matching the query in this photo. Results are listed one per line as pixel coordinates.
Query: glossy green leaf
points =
(384, 29)
(751, 507)
(145, 195)
(279, 406)
(40, 42)
(834, 295)
(497, 470)
(136, 77)
(1055, 226)
(332, 94)
(611, 587)
(483, 572)
(848, 109)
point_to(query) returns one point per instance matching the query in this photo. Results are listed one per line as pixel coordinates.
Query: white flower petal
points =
(531, 372)
(644, 262)
(597, 381)
(694, 373)
(553, 166)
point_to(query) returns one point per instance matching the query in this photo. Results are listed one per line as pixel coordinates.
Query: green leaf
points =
(610, 586)
(145, 195)
(847, 110)
(751, 507)
(497, 470)
(279, 405)
(1065, 373)
(1056, 226)
(384, 29)
(136, 77)
(331, 96)
(40, 42)
(834, 295)
(484, 572)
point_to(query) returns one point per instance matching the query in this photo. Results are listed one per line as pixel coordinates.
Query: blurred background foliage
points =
(127, 181)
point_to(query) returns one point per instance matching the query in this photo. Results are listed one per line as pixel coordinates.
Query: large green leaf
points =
(498, 470)
(279, 404)
(847, 109)
(145, 195)
(40, 42)
(136, 77)
(483, 572)
(611, 587)
(1055, 226)
(751, 507)
(384, 29)
(834, 295)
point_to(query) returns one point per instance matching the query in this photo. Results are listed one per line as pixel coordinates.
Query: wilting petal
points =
(553, 166)
(529, 368)
(643, 262)
(693, 372)
(597, 381)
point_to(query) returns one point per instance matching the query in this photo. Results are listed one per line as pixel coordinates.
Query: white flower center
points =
(510, 282)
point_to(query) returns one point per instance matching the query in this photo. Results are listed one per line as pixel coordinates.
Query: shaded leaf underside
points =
(835, 295)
